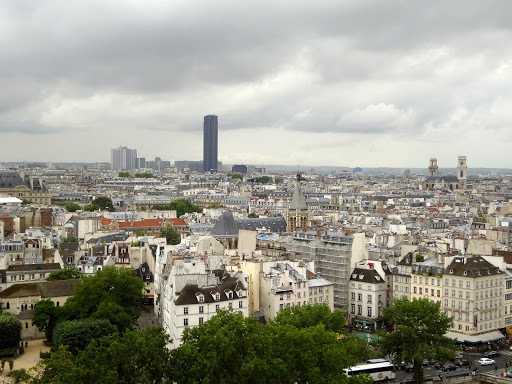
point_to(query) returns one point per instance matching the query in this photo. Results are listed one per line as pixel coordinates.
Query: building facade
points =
(123, 158)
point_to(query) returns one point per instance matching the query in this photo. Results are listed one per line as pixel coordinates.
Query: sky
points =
(324, 82)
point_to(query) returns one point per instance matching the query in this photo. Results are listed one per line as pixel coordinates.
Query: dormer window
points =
(229, 293)
(451, 270)
(240, 293)
(216, 297)
(465, 273)
(200, 297)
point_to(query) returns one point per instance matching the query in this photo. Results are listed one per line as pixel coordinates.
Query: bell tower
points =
(462, 171)
(433, 168)
(298, 215)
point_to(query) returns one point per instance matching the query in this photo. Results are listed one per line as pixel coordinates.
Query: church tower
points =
(433, 169)
(297, 217)
(462, 171)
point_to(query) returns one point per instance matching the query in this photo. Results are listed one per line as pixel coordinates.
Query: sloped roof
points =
(188, 293)
(225, 226)
(45, 289)
(298, 201)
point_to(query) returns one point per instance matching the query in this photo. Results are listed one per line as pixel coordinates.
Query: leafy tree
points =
(65, 274)
(144, 175)
(181, 206)
(311, 315)
(171, 235)
(263, 179)
(419, 333)
(112, 294)
(10, 331)
(229, 348)
(72, 207)
(77, 334)
(124, 174)
(90, 207)
(214, 206)
(104, 203)
(236, 175)
(46, 316)
(20, 375)
(70, 239)
(253, 215)
(131, 357)
(419, 258)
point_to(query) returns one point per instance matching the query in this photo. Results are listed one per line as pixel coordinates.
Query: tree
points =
(104, 203)
(72, 207)
(20, 375)
(311, 315)
(252, 215)
(77, 334)
(112, 294)
(144, 175)
(263, 179)
(124, 174)
(236, 175)
(46, 316)
(171, 235)
(131, 357)
(419, 333)
(90, 207)
(419, 258)
(10, 331)
(65, 274)
(182, 206)
(70, 239)
(230, 348)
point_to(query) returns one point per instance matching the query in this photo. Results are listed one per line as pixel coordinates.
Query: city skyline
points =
(353, 83)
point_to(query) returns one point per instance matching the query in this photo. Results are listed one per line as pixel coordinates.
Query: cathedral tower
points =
(298, 211)
(433, 169)
(462, 171)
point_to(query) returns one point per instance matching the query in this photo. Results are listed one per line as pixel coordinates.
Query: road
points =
(506, 356)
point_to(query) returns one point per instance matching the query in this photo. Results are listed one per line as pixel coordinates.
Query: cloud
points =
(318, 74)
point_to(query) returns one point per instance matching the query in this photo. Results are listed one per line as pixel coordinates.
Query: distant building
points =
(239, 168)
(141, 163)
(23, 187)
(123, 158)
(449, 182)
(298, 216)
(210, 143)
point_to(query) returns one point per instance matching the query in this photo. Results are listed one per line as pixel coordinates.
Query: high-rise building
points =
(141, 162)
(123, 158)
(210, 143)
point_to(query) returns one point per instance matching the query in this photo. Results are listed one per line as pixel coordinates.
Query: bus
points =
(378, 371)
(375, 361)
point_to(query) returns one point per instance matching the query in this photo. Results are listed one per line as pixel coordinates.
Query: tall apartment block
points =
(210, 143)
(123, 158)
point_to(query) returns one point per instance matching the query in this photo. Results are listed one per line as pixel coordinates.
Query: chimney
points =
(41, 183)
(31, 178)
(22, 174)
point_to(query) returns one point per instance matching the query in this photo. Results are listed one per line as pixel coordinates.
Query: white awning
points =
(482, 338)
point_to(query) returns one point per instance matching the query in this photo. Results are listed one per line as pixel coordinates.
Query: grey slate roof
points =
(9, 179)
(227, 226)
(366, 275)
(121, 236)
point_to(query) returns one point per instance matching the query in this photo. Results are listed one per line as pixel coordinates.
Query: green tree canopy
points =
(181, 206)
(263, 179)
(419, 333)
(171, 235)
(46, 316)
(144, 175)
(229, 348)
(124, 174)
(10, 331)
(236, 175)
(131, 357)
(72, 207)
(70, 239)
(64, 274)
(253, 215)
(77, 334)
(112, 294)
(311, 315)
(104, 203)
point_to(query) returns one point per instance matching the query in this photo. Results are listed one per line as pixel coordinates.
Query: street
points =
(505, 356)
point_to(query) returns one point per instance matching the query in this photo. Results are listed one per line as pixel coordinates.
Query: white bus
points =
(378, 371)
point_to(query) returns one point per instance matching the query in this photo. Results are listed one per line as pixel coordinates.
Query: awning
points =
(475, 339)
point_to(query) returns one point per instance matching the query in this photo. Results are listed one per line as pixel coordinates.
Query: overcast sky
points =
(349, 83)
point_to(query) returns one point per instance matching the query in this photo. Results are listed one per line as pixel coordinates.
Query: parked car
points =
(491, 354)
(449, 367)
(509, 374)
(486, 361)
(426, 362)
(462, 362)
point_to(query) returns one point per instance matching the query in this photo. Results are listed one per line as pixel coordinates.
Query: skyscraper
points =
(210, 143)
(123, 158)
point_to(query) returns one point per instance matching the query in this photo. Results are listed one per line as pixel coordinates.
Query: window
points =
(369, 298)
(359, 309)
(281, 297)
(438, 293)
(22, 277)
(201, 309)
(353, 295)
(288, 295)
(201, 320)
(369, 311)
(185, 322)
(281, 306)
(230, 305)
(359, 297)
(217, 307)
(200, 298)
(217, 296)
(185, 310)
(421, 290)
(240, 304)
